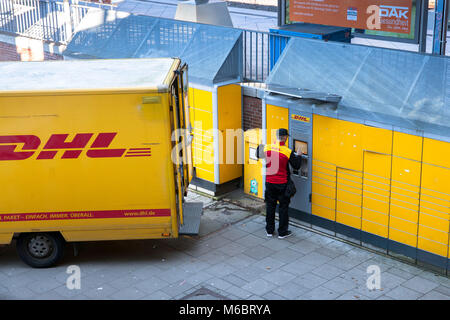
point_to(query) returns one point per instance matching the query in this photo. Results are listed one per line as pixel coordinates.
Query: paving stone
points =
(240, 261)
(309, 280)
(238, 292)
(290, 290)
(199, 277)
(214, 257)
(349, 295)
(159, 295)
(249, 226)
(151, 285)
(20, 293)
(279, 277)
(234, 234)
(44, 285)
(194, 265)
(272, 296)
(443, 289)
(319, 293)
(403, 293)
(384, 297)
(372, 294)
(239, 282)
(250, 241)
(390, 281)
(438, 278)
(268, 264)
(344, 262)
(304, 246)
(258, 252)
(256, 297)
(123, 282)
(327, 271)
(69, 293)
(276, 244)
(96, 279)
(259, 287)
(198, 250)
(52, 295)
(401, 273)
(420, 284)
(315, 259)
(329, 252)
(434, 295)
(103, 292)
(286, 255)
(18, 281)
(339, 285)
(357, 276)
(298, 267)
(219, 283)
(216, 242)
(374, 262)
(250, 273)
(128, 294)
(221, 270)
(177, 288)
(232, 248)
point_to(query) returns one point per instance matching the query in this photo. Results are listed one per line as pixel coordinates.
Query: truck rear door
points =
(181, 137)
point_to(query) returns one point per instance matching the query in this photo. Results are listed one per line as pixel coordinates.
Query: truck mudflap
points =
(192, 212)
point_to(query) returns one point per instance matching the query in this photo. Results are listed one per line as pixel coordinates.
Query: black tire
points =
(40, 250)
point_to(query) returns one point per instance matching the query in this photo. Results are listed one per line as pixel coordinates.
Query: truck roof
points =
(87, 75)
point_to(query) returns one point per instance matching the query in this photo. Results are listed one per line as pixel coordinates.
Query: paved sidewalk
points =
(231, 259)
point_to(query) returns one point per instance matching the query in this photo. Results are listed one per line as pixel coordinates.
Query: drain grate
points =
(204, 294)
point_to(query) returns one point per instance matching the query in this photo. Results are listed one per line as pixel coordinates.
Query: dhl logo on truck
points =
(72, 150)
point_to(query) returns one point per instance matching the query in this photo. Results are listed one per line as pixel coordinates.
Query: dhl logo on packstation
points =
(300, 118)
(70, 149)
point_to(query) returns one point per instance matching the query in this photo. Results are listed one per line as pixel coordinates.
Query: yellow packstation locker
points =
(216, 120)
(89, 150)
(377, 140)
(253, 184)
(372, 183)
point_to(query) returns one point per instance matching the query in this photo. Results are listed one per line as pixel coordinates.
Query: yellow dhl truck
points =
(93, 150)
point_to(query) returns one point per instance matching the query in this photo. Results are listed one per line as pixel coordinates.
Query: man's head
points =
(282, 135)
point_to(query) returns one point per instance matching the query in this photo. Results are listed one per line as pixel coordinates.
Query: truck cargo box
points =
(89, 150)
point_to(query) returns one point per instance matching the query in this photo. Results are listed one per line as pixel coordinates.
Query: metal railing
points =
(261, 52)
(49, 20)
(56, 20)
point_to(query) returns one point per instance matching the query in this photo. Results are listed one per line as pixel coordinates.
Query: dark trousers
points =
(274, 193)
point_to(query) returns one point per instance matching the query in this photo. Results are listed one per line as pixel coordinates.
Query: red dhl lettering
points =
(70, 149)
(300, 118)
(108, 214)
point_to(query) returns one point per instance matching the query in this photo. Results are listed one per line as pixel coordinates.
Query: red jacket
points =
(278, 157)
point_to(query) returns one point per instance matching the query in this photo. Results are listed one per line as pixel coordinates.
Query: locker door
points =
(376, 193)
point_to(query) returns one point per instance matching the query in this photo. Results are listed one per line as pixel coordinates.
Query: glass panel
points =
(412, 89)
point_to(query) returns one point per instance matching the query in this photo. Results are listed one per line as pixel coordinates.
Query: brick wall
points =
(10, 52)
(252, 109)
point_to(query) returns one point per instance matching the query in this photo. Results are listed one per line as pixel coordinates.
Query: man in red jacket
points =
(278, 157)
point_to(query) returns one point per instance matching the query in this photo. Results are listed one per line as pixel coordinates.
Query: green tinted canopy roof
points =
(399, 88)
(213, 53)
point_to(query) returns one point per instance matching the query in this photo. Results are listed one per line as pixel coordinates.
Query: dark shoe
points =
(269, 235)
(287, 234)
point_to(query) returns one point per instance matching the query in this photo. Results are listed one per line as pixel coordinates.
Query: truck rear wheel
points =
(40, 250)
